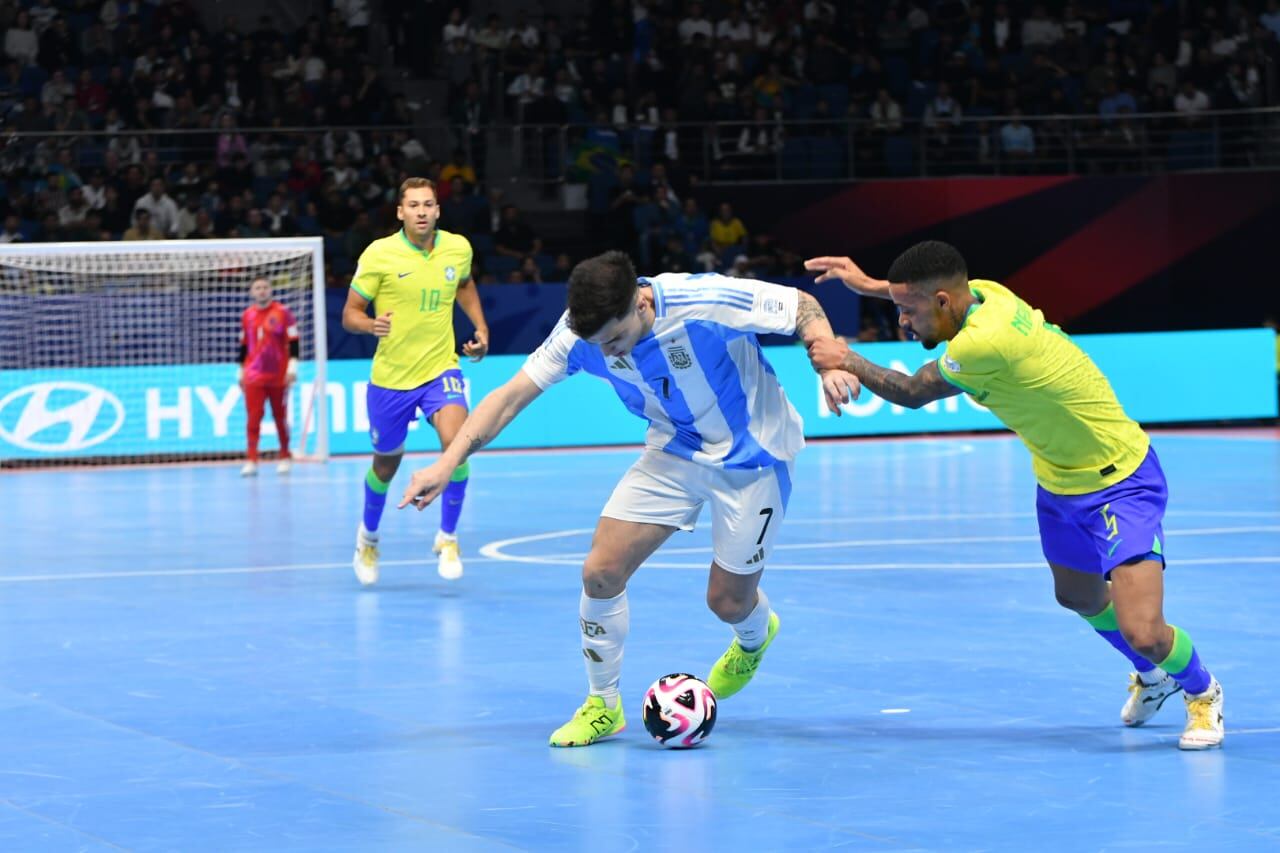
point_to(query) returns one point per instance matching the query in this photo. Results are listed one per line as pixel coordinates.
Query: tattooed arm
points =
(914, 391)
(839, 385)
(811, 320)
(484, 423)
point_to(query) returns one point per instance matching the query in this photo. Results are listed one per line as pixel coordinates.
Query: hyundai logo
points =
(77, 413)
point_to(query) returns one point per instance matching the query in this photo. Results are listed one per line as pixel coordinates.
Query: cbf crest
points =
(450, 273)
(679, 358)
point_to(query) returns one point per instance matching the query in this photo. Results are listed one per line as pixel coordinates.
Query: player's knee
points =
(729, 605)
(385, 467)
(1149, 638)
(603, 578)
(1078, 601)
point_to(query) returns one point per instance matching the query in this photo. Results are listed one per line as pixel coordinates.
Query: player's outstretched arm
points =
(848, 273)
(919, 389)
(484, 423)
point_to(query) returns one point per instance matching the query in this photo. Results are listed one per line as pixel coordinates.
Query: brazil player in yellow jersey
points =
(413, 278)
(1101, 494)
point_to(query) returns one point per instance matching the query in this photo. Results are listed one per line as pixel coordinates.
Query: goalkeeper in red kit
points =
(268, 366)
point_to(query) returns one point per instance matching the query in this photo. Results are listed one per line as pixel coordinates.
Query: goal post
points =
(126, 351)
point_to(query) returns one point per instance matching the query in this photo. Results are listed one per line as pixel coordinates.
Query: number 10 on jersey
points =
(429, 303)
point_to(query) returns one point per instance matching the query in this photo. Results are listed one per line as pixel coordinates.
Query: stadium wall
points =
(197, 409)
(1096, 254)
(1112, 253)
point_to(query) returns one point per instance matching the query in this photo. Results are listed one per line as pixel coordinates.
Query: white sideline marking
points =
(232, 570)
(495, 552)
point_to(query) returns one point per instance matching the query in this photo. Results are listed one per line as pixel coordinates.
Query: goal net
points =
(128, 351)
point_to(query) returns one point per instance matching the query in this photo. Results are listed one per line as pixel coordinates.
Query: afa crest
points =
(679, 358)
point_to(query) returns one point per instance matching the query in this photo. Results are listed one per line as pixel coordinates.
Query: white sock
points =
(753, 630)
(365, 537)
(604, 624)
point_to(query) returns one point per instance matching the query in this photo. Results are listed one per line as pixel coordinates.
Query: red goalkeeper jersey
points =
(266, 336)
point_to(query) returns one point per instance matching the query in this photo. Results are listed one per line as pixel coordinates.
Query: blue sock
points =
(1105, 624)
(454, 494)
(1184, 666)
(375, 498)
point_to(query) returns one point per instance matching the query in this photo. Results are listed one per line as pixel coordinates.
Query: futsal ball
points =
(679, 710)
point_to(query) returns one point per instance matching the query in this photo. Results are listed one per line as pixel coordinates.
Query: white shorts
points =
(747, 506)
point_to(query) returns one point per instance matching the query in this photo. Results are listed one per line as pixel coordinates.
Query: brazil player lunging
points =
(681, 352)
(1101, 494)
(413, 278)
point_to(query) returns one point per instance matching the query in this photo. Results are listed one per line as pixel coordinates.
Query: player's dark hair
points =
(601, 289)
(928, 262)
(415, 183)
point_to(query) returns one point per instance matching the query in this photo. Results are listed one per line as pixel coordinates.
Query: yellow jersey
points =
(727, 233)
(1043, 387)
(418, 288)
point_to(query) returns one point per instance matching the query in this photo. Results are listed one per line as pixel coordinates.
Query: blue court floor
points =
(189, 664)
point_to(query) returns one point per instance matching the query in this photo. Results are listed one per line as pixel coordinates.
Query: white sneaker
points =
(284, 466)
(1204, 719)
(250, 469)
(1146, 697)
(450, 565)
(365, 561)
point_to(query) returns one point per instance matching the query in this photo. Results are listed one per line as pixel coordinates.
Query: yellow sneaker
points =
(1204, 719)
(735, 668)
(365, 561)
(450, 565)
(592, 722)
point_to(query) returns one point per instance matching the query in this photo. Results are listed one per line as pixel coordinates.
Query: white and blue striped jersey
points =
(699, 377)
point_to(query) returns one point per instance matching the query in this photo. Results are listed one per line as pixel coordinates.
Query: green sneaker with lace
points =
(736, 667)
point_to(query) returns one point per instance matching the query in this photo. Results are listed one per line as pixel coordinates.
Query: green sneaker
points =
(590, 723)
(735, 668)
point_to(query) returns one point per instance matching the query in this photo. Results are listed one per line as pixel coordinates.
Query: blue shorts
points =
(391, 411)
(1100, 530)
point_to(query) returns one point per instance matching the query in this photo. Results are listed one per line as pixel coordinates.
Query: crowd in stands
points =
(130, 115)
(791, 84)
(630, 80)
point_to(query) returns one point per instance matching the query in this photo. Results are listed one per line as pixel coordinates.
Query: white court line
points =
(496, 550)
(876, 567)
(576, 561)
(982, 516)
(955, 540)
(232, 570)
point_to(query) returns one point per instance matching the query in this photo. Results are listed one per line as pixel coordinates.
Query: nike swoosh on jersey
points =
(403, 274)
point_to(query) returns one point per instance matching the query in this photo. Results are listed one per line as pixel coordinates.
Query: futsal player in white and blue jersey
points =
(681, 352)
